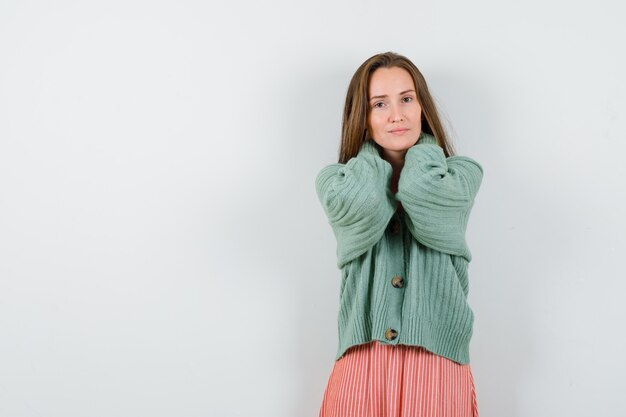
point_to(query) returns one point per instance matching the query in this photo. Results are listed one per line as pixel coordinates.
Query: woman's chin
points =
(398, 145)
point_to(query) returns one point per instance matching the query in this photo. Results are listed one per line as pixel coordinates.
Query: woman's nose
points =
(396, 114)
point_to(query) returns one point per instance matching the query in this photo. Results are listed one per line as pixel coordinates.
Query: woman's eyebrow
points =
(385, 95)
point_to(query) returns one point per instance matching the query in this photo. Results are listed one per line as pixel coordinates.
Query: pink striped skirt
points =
(379, 380)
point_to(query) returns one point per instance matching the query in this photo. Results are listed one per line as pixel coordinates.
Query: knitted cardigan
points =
(404, 273)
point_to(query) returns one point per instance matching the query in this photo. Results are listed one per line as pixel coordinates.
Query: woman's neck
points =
(396, 160)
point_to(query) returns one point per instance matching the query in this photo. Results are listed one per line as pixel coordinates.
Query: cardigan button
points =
(391, 334)
(397, 281)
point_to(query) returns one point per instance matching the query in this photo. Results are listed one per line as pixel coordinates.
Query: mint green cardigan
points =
(403, 272)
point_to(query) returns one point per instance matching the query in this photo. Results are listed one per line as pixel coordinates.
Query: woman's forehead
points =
(390, 81)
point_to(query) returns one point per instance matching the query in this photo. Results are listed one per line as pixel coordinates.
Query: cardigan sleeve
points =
(357, 201)
(438, 193)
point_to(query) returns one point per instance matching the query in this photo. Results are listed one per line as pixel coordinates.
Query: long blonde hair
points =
(355, 112)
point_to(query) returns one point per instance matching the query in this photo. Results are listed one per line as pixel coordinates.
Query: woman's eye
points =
(409, 99)
(377, 104)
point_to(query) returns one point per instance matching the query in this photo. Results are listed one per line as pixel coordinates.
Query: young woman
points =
(398, 202)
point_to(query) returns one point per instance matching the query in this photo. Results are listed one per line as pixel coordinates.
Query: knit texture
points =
(426, 247)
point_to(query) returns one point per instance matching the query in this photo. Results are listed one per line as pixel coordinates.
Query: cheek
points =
(417, 117)
(376, 122)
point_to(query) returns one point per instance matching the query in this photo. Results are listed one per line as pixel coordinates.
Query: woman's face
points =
(394, 115)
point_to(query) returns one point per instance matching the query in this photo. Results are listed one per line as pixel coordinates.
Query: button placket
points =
(395, 295)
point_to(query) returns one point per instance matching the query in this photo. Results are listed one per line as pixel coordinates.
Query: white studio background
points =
(162, 248)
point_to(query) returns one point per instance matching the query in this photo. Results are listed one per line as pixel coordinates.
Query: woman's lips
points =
(398, 132)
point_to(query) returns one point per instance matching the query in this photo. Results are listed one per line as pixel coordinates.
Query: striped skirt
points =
(379, 380)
